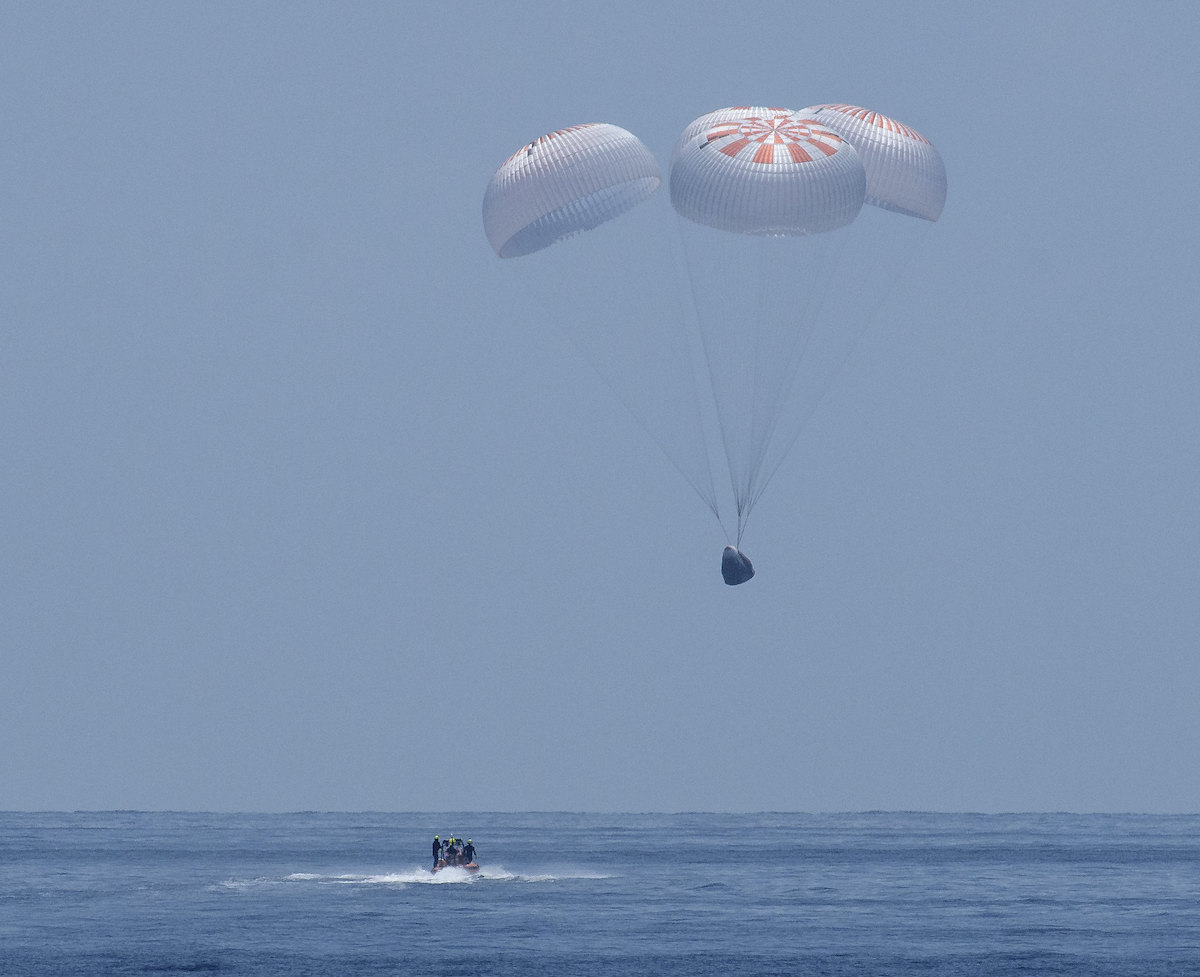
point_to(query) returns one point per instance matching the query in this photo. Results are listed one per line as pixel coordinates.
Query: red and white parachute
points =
(765, 172)
(904, 171)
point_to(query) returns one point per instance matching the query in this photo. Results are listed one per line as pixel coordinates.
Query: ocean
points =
(600, 894)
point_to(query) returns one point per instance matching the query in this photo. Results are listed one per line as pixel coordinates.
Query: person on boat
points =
(437, 851)
(468, 853)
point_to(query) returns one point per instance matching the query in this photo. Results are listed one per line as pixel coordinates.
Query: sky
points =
(306, 505)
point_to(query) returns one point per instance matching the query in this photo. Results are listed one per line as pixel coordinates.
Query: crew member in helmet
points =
(437, 851)
(468, 853)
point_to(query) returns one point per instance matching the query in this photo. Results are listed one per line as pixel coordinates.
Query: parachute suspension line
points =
(856, 330)
(761, 406)
(807, 325)
(827, 375)
(709, 365)
(707, 494)
(616, 265)
(756, 337)
(772, 345)
(682, 268)
(783, 336)
(766, 387)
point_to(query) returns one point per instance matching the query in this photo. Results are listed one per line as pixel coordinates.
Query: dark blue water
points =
(691, 894)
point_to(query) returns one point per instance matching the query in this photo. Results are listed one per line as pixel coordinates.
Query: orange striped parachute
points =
(904, 171)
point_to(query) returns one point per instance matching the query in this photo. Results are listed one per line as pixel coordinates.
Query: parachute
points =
(905, 173)
(783, 267)
(564, 183)
(766, 172)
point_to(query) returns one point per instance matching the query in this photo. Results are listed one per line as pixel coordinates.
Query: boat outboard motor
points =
(736, 567)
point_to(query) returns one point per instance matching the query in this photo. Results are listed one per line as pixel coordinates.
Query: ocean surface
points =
(632, 894)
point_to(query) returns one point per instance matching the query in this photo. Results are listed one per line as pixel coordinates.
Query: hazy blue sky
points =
(303, 505)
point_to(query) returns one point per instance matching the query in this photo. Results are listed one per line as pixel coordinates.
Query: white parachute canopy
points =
(904, 170)
(563, 183)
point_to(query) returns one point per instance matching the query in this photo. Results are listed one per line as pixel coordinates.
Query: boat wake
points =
(451, 875)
